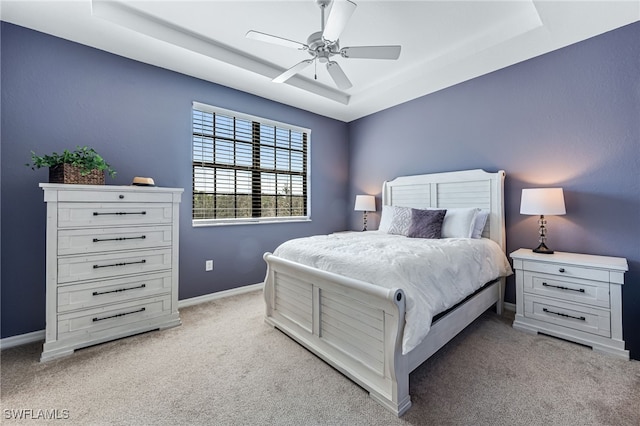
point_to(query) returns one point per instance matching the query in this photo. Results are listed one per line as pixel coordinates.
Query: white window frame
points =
(263, 121)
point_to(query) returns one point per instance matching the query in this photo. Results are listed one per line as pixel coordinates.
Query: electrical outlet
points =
(208, 265)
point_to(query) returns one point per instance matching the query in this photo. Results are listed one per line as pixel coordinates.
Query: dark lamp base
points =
(542, 248)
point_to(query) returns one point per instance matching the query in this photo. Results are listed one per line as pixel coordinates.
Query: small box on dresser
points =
(576, 297)
(111, 263)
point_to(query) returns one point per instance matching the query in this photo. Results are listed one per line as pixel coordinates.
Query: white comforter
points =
(434, 274)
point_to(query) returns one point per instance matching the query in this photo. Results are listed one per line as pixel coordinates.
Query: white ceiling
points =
(443, 42)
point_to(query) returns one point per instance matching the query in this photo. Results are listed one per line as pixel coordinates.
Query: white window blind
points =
(247, 169)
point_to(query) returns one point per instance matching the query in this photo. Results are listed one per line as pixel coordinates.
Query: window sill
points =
(226, 222)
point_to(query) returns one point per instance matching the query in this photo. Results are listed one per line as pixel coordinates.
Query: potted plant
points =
(83, 166)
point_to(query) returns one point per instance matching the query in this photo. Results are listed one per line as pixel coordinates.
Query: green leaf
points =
(87, 159)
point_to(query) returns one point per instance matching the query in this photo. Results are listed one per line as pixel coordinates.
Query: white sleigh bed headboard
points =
(469, 188)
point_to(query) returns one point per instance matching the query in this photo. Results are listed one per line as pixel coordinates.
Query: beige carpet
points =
(224, 366)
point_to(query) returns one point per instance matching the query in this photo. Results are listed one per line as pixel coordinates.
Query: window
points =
(247, 169)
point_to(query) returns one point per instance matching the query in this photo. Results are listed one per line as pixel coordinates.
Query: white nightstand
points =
(576, 297)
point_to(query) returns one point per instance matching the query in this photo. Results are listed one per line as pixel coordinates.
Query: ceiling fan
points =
(324, 44)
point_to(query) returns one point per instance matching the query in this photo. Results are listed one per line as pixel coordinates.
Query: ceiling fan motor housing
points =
(321, 48)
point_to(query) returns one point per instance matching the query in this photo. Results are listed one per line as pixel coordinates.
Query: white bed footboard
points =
(354, 326)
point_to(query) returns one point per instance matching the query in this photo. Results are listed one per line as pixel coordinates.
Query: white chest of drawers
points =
(575, 297)
(112, 263)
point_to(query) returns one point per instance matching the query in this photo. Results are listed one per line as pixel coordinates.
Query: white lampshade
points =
(542, 201)
(365, 203)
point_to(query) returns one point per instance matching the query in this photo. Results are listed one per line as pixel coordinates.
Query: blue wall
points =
(57, 94)
(570, 118)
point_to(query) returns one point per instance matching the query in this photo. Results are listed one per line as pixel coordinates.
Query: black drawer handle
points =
(119, 264)
(561, 270)
(96, 319)
(116, 213)
(118, 290)
(581, 290)
(97, 240)
(560, 314)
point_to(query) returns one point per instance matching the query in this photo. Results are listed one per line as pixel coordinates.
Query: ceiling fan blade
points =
(341, 11)
(292, 71)
(371, 52)
(257, 35)
(339, 77)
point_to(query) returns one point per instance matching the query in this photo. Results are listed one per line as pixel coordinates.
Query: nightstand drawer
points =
(589, 320)
(566, 270)
(567, 289)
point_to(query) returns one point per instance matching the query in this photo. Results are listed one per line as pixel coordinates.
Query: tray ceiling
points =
(443, 42)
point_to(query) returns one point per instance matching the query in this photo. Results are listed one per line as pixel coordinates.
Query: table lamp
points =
(542, 201)
(365, 203)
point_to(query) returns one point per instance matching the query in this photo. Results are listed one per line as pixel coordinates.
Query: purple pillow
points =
(426, 223)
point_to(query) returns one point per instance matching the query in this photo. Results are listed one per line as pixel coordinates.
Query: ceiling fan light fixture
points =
(323, 56)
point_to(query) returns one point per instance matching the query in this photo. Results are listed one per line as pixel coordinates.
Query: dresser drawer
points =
(93, 267)
(78, 241)
(91, 321)
(87, 295)
(577, 290)
(583, 318)
(80, 215)
(124, 196)
(567, 270)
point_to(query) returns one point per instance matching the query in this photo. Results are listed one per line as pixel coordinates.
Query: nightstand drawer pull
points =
(119, 264)
(97, 240)
(560, 314)
(581, 290)
(118, 290)
(117, 213)
(96, 319)
(561, 270)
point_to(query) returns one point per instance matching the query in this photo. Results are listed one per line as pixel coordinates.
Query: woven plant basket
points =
(66, 173)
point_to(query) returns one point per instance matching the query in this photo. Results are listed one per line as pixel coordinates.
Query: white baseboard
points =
(219, 295)
(21, 339)
(36, 336)
(509, 306)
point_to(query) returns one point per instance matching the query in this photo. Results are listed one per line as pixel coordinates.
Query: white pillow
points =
(459, 222)
(401, 221)
(385, 218)
(480, 222)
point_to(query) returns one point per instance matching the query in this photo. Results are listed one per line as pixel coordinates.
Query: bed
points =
(366, 344)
